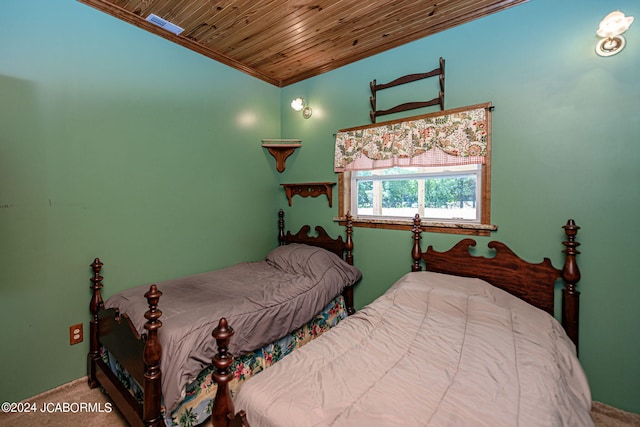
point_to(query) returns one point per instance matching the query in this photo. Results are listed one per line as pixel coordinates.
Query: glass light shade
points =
(297, 104)
(610, 29)
(614, 24)
(306, 113)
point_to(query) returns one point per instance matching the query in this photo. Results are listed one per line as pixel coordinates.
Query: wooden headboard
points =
(533, 283)
(340, 247)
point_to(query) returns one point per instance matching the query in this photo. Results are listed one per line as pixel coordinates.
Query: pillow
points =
(296, 258)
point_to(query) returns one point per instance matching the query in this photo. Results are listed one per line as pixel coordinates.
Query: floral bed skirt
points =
(196, 406)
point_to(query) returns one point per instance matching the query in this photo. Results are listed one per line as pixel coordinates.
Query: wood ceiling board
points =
(286, 41)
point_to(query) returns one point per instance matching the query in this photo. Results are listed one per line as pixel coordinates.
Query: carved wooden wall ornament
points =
(439, 100)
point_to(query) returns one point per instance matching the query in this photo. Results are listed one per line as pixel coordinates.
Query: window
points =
(455, 199)
(436, 165)
(435, 193)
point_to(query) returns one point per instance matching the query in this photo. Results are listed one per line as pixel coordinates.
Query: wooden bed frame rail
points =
(140, 355)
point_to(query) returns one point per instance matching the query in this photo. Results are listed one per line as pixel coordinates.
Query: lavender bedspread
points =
(262, 300)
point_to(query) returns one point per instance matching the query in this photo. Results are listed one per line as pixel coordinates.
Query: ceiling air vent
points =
(163, 23)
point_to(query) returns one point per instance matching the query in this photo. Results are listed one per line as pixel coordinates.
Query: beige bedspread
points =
(434, 350)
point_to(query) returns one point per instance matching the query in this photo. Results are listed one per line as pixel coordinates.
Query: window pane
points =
(440, 194)
(450, 197)
(365, 197)
(399, 197)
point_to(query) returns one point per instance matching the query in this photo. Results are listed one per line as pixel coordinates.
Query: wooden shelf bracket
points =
(281, 149)
(306, 189)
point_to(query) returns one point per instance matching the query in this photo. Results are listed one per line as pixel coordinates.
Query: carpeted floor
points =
(98, 411)
(76, 405)
(607, 416)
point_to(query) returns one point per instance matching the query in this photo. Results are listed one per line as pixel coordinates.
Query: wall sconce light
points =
(611, 29)
(298, 104)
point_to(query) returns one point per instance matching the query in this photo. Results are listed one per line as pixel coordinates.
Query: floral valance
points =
(452, 137)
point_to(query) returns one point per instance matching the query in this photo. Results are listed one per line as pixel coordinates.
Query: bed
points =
(154, 358)
(470, 341)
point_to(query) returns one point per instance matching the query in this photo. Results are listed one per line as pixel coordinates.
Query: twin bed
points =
(470, 341)
(152, 351)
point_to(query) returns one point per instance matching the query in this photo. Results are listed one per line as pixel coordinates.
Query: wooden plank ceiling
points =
(286, 41)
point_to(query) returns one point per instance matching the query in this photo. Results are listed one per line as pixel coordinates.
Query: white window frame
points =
(424, 173)
(480, 226)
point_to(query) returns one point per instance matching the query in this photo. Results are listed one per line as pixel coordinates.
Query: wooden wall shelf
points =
(306, 189)
(281, 149)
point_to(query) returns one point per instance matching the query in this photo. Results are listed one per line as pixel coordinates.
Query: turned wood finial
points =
(151, 355)
(223, 407)
(348, 246)
(96, 300)
(281, 227)
(570, 272)
(152, 349)
(153, 314)
(571, 276)
(416, 253)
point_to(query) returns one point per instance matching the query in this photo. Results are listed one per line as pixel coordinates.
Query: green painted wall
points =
(566, 134)
(116, 143)
(119, 144)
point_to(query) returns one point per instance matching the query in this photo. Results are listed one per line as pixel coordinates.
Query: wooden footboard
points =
(139, 355)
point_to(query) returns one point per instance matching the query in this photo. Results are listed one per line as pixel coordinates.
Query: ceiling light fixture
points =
(298, 104)
(611, 29)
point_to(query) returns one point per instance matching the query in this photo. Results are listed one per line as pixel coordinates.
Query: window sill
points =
(430, 226)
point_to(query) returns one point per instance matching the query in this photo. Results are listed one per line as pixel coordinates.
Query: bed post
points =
(95, 306)
(571, 275)
(416, 253)
(281, 227)
(151, 356)
(348, 247)
(222, 413)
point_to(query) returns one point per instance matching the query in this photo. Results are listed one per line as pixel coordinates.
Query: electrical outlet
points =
(75, 334)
